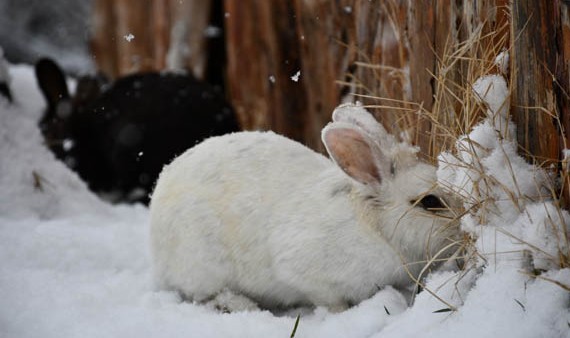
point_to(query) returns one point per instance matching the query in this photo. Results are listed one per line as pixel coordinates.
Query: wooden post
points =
(103, 40)
(534, 61)
(161, 37)
(326, 29)
(189, 20)
(132, 32)
(136, 35)
(562, 90)
(263, 55)
(421, 36)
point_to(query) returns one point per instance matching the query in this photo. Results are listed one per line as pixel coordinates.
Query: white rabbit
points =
(264, 217)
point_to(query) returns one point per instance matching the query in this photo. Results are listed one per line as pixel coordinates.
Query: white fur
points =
(264, 216)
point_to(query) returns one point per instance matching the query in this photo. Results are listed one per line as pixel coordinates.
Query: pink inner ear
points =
(352, 152)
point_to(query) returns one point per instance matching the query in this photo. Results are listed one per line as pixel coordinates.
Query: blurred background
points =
(60, 29)
(285, 65)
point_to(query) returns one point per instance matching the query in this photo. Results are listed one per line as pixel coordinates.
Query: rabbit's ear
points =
(356, 115)
(51, 82)
(355, 153)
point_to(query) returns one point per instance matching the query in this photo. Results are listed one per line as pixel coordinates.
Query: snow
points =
(74, 266)
(502, 62)
(296, 76)
(492, 90)
(212, 32)
(129, 37)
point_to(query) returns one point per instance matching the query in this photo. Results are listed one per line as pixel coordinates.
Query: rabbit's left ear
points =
(355, 153)
(51, 81)
(356, 115)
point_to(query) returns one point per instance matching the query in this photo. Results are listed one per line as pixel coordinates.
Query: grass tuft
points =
(455, 111)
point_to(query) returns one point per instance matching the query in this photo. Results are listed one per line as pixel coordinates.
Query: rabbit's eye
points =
(431, 202)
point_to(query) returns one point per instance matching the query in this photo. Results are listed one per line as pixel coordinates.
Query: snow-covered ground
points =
(74, 266)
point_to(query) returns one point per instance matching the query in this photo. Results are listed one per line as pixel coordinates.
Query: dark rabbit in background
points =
(118, 138)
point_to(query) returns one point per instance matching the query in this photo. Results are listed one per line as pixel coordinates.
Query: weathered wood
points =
(161, 36)
(151, 23)
(562, 74)
(396, 45)
(534, 60)
(188, 23)
(262, 44)
(392, 49)
(421, 36)
(103, 41)
(382, 56)
(562, 89)
(132, 33)
(325, 29)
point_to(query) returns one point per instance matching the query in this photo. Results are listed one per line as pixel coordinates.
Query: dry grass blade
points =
(550, 280)
(295, 326)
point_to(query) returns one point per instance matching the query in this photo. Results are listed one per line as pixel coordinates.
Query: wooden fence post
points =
(136, 35)
(534, 60)
(263, 56)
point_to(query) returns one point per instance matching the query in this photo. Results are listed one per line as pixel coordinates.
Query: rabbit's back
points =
(148, 119)
(260, 161)
(230, 209)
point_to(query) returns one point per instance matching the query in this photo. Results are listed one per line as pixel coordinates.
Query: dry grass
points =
(454, 113)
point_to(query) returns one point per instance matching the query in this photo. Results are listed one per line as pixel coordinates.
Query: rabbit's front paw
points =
(228, 301)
